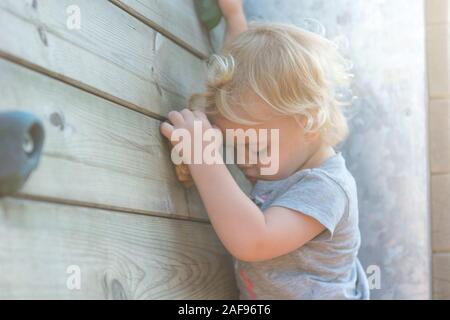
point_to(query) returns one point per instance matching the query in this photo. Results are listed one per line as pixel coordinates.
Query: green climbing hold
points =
(208, 12)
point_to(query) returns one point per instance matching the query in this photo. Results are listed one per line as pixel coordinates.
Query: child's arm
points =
(245, 231)
(233, 13)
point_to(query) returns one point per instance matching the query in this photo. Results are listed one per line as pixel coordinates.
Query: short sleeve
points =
(318, 196)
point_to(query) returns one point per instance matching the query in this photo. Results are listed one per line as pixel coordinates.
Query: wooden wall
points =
(105, 197)
(438, 31)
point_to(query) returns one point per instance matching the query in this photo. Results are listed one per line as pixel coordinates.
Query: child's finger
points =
(200, 115)
(166, 129)
(187, 114)
(176, 118)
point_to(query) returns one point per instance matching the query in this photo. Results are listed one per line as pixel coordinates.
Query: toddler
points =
(297, 235)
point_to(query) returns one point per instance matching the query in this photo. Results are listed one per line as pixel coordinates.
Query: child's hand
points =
(184, 119)
(230, 8)
(187, 120)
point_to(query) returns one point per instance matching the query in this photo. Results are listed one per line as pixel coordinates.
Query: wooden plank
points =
(118, 256)
(112, 55)
(96, 152)
(440, 209)
(176, 19)
(438, 12)
(438, 61)
(439, 135)
(441, 276)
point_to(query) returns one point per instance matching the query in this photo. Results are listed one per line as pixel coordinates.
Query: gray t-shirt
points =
(326, 267)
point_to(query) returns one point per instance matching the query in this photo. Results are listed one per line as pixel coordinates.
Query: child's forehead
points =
(251, 108)
(237, 134)
(225, 124)
(255, 106)
(273, 121)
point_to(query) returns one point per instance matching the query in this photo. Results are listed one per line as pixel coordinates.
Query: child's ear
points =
(312, 135)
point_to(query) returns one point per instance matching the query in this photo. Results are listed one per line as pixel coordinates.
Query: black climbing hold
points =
(21, 142)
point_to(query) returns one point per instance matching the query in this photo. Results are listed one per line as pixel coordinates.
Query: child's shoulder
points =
(331, 180)
(335, 169)
(330, 176)
(330, 183)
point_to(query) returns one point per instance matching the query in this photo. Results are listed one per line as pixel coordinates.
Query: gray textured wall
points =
(387, 150)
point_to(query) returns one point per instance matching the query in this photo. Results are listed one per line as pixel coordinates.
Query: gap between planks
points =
(445, 251)
(163, 31)
(120, 102)
(82, 204)
(79, 85)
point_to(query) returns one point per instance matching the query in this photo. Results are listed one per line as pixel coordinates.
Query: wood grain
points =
(96, 152)
(440, 208)
(112, 55)
(441, 276)
(176, 19)
(119, 256)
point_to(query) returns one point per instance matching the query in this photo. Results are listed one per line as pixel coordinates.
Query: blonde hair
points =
(296, 72)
